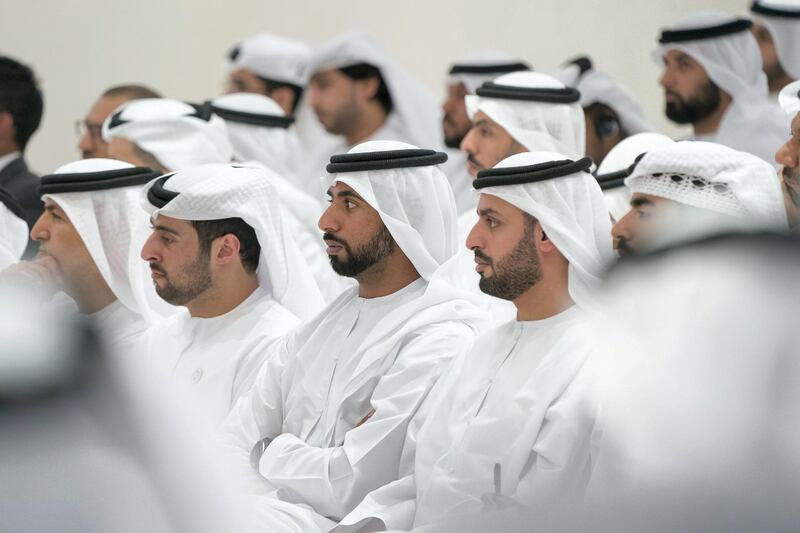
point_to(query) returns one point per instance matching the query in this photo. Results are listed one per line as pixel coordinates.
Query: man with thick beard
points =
(325, 422)
(510, 422)
(220, 249)
(713, 80)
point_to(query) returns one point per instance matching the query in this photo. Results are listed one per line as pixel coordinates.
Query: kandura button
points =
(197, 375)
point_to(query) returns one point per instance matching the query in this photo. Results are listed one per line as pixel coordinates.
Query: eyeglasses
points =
(95, 131)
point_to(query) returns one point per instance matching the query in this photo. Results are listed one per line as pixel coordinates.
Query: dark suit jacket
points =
(24, 185)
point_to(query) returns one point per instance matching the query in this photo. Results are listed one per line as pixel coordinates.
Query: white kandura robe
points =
(211, 362)
(522, 398)
(358, 356)
(122, 329)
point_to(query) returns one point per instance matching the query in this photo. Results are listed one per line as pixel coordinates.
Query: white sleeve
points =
(334, 480)
(256, 415)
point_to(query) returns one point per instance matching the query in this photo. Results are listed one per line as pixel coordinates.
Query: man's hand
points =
(40, 274)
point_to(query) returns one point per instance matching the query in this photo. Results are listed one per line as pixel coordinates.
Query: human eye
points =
(349, 204)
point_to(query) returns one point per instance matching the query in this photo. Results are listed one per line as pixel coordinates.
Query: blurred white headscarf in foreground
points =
(702, 388)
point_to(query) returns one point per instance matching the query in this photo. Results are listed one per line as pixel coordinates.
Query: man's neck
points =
(370, 121)
(779, 82)
(94, 299)
(710, 124)
(223, 296)
(544, 300)
(387, 277)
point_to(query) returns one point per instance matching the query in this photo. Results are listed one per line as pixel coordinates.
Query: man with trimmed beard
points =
(510, 422)
(325, 421)
(220, 249)
(713, 80)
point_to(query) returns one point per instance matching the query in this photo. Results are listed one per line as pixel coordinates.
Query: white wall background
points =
(78, 48)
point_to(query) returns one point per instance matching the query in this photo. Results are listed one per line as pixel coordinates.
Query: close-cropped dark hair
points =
(271, 85)
(249, 249)
(364, 71)
(20, 96)
(132, 91)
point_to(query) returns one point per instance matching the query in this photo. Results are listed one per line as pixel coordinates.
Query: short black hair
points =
(363, 71)
(21, 97)
(271, 85)
(249, 249)
(131, 91)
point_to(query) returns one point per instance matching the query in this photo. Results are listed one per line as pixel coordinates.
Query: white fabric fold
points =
(170, 131)
(273, 57)
(13, 237)
(113, 229)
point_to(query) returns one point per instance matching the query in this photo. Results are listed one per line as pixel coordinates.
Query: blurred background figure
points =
(776, 27)
(90, 129)
(13, 229)
(464, 78)
(712, 79)
(611, 111)
(21, 106)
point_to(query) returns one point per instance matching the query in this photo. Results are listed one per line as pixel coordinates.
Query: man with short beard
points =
(713, 80)
(358, 94)
(510, 423)
(464, 78)
(324, 423)
(220, 249)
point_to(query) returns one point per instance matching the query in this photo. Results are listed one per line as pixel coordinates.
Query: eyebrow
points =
(344, 194)
(488, 211)
(167, 229)
(482, 122)
(640, 202)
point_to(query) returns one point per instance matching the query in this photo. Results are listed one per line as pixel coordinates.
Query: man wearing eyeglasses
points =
(89, 130)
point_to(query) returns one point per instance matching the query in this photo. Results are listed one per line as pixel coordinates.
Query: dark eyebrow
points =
(481, 122)
(167, 229)
(640, 202)
(488, 211)
(346, 194)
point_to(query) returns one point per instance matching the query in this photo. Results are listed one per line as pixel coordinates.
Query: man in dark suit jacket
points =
(21, 108)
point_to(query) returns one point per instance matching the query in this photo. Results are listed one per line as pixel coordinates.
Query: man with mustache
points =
(510, 422)
(464, 78)
(713, 80)
(325, 421)
(90, 235)
(691, 189)
(220, 248)
(520, 112)
(788, 155)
